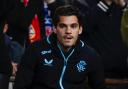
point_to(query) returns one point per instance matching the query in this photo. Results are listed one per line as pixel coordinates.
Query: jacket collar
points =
(52, 40)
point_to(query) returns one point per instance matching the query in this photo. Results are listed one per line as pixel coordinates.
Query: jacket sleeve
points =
(96, 75)
(26, 69)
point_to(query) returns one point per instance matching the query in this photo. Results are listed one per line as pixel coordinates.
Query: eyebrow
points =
(68, 24)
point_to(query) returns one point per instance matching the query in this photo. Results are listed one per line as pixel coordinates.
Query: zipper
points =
(64, 67)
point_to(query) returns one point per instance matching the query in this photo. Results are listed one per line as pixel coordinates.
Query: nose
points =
(68, 30)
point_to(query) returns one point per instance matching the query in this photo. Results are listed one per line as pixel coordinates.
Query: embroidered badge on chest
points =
(81, 66)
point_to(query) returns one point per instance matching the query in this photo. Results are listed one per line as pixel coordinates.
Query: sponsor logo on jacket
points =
(46, 52)
(48, 62)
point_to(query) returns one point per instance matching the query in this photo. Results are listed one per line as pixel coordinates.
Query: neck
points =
(65, 49)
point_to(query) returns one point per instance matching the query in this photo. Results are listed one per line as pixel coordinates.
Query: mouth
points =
(68, 38)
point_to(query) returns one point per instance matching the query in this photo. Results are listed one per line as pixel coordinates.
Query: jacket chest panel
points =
(76, 70)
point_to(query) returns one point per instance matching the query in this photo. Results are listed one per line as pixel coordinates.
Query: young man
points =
(62, 61)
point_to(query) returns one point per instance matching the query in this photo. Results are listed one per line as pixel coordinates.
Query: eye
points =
(74, 26)
(62, 26)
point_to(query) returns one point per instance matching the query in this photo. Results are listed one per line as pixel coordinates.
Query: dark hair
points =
(66, 10)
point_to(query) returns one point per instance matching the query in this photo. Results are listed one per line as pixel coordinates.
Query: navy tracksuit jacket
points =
(46, 66)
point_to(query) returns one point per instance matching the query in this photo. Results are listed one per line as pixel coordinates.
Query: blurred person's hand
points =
(14, 65)
(121, 3)
(49, 1)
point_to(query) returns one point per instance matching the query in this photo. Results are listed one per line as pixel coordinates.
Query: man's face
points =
(31, 32)
(67, 31)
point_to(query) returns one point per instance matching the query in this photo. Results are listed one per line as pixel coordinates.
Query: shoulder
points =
(88, 50)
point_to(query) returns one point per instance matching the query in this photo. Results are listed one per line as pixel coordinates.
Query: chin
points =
(68, 45)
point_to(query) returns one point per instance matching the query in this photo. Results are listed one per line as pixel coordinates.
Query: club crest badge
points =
(81, 66)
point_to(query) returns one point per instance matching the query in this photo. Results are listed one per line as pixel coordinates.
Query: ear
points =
(80, 30)
(54, 30)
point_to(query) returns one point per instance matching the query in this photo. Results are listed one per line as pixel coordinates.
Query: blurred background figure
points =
(104, 35)
(5, 62)
(124, 26)
(10, 13)
(15, 50)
